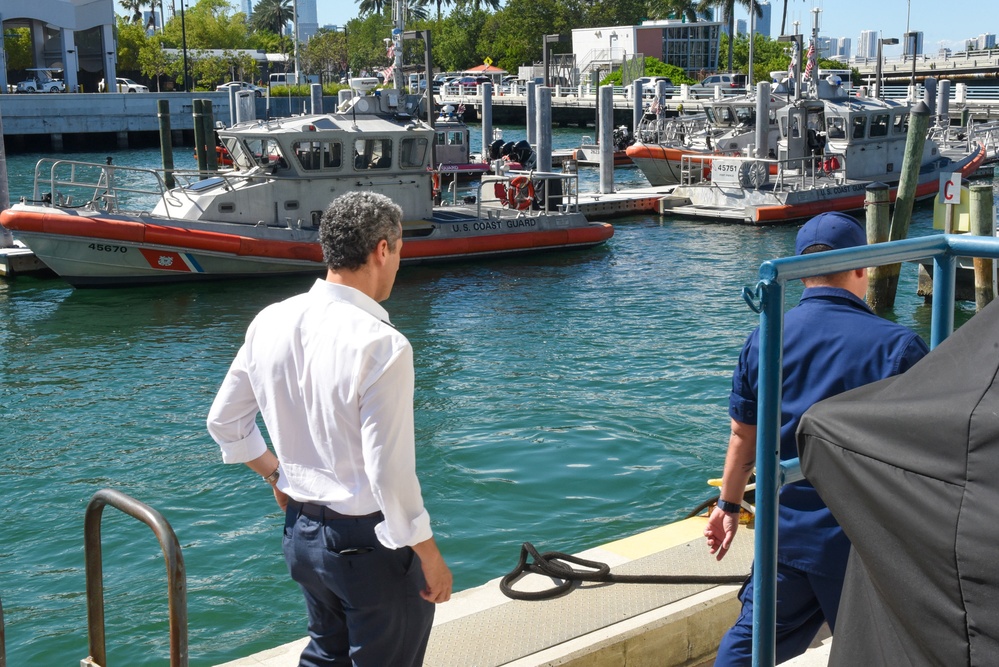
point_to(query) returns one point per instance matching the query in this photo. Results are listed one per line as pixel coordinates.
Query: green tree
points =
(325, 54)
(513, 35)
(673, 9)
(457, 39)
(155, 63)
(17, 46)
(131, 39)
(619, 12)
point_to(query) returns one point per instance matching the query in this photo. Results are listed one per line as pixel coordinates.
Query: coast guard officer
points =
(334, 382)
(832, 342)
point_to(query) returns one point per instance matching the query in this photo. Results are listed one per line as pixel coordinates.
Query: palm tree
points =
(272, 15)
(674, 8)
(728, 10)
(134, 6)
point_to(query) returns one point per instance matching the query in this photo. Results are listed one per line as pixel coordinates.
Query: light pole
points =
(877, 77)
(548, 39)
(183, 41)
(914, 36)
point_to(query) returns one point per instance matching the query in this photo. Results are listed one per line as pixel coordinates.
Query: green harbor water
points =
(566, 400)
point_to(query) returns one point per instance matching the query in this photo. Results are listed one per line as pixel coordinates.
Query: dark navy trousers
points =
(804, 602)
(363, 598)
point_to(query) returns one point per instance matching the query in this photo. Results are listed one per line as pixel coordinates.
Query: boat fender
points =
(830, 164)
(520, 193)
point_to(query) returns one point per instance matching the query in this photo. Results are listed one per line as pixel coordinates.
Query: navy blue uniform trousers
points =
(804, 602)
(363, 598)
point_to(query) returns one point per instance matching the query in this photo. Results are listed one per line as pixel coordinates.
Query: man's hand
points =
(720, 531)
(435, 571)
(281, 497)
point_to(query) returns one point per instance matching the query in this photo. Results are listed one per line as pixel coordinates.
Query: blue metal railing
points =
(770, 472)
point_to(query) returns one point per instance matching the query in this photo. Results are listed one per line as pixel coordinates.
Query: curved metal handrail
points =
(176, 577)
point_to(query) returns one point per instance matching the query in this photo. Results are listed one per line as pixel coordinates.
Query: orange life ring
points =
(435, 181)
(520, 193)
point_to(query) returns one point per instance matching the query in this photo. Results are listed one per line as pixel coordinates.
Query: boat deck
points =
(595, 624)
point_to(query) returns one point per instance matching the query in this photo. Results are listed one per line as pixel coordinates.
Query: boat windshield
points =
(746, 115)
(255, 151)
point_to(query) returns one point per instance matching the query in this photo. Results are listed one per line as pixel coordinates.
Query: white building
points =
(986, 41)
(867, 45)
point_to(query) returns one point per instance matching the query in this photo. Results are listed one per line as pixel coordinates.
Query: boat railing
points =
(678, 131)
(753, 173)
(767, 300)
(528, 193)
(114, 189)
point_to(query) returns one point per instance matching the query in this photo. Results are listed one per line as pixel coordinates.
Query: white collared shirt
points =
(333, 381)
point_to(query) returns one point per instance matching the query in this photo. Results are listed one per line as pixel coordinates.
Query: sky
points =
(942, 23)
(946, 24)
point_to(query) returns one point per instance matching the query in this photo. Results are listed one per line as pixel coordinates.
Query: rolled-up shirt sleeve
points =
(389, 450)
(232, 419)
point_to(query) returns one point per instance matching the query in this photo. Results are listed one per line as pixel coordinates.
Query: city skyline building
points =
(907, 44)
(867, 45)
(763, 22)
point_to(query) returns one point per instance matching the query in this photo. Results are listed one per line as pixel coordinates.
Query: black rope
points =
(555, 565)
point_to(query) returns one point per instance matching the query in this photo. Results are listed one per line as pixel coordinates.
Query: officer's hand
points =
(720, 531)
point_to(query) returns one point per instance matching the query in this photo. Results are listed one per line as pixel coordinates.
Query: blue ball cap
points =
(834, 229)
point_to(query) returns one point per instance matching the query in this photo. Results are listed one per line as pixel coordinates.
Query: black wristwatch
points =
(730, 508)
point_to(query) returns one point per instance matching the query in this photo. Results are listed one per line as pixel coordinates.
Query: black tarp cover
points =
(909, 467)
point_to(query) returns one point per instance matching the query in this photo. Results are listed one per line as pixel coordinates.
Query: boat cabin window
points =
(795, 127)
(266, 152)
(413, 152)
(372, 154)
(710, 113)
(879, 125)
(783, 126)
(835, 128)
(746, 115)
(859, 126)
(725, 116)
(451, 138)
(900, 123)
(241, 159)
(316, 155)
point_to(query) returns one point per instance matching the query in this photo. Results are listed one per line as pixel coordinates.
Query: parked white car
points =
(241, 85)
(129, 86)
(40, 81)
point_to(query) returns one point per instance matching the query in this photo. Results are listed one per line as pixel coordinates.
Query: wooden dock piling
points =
(919, 122)
(878, 230)
(982, 225)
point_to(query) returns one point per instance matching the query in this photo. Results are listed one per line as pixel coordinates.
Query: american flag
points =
(810, 65)
(461, 109)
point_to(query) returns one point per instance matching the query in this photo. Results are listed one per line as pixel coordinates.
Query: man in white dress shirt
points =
(334, 382)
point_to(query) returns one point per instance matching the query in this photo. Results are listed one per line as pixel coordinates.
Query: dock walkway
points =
(595, 624)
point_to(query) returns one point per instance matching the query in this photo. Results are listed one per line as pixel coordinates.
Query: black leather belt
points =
(321, 512)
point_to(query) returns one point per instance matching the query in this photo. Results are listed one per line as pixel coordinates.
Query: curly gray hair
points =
(352, 226)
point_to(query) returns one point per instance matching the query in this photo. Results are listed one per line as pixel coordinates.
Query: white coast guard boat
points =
(100, 225)
(828, 151)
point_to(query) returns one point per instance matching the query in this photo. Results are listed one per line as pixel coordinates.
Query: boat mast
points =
(398, 8)
(813, 79)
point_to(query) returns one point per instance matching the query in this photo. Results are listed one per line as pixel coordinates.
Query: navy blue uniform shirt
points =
(832, 342)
